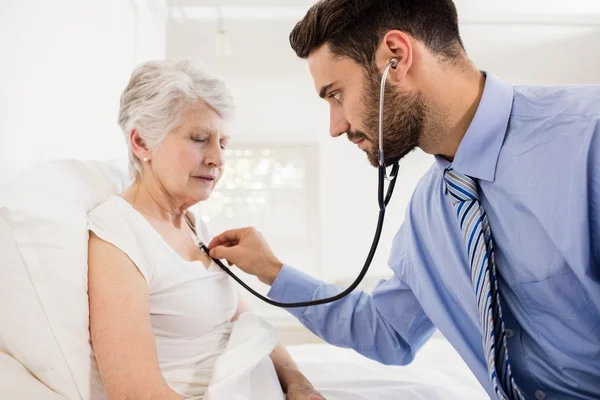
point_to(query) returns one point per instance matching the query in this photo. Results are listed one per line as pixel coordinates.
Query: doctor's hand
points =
(247, 249)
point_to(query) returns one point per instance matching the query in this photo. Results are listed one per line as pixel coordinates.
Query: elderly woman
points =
(165, 322)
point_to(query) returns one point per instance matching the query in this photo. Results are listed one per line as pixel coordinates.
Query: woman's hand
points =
(302, 390)
(293, 382)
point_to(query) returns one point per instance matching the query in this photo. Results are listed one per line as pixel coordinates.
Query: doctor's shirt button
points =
(509, 333)
(540, 395)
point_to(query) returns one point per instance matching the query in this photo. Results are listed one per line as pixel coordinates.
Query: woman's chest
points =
(182, 242)
(188, 301)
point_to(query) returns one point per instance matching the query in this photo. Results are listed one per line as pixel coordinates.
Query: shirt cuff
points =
(292, 285)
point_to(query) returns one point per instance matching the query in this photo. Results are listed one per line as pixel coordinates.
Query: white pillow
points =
(18, 383)
(44, 312)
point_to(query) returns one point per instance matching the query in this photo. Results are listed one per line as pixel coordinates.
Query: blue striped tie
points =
(480, 249)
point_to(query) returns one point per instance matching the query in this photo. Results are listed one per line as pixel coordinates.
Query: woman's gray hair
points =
(156, 97)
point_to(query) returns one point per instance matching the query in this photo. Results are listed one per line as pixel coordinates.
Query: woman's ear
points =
(395, 44)
(138, 146)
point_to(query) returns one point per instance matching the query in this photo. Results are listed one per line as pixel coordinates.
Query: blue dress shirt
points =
(535, 153)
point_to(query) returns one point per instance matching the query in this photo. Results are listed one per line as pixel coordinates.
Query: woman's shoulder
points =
(115, 221)
(112, 202)
(111, 205)
(113, 214)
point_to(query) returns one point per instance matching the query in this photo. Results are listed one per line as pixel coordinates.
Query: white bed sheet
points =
(342, 374)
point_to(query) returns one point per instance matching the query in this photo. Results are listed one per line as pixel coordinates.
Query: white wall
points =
(64, 65)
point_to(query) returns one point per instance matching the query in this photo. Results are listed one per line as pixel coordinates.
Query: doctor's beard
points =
(403, 120)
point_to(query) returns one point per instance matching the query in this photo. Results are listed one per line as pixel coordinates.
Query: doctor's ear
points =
(395, 45)
(138, 145)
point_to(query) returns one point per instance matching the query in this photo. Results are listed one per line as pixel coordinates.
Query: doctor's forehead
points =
(327, 69)
(321, 65)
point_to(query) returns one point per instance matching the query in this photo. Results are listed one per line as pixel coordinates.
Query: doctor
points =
(500, 246)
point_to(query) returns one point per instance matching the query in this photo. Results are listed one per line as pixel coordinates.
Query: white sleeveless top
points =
(190, 310)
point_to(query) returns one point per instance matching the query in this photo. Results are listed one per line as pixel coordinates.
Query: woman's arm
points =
(120, 326)
(290, 377)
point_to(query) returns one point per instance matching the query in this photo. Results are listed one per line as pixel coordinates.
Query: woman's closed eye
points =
(200, 139)
(223, 141)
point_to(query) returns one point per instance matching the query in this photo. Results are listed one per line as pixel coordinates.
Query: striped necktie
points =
(480, 250)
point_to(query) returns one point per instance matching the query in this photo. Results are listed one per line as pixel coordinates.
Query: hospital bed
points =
(45, 350)
(342, 374)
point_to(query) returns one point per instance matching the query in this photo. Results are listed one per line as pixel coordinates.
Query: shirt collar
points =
(478, 152)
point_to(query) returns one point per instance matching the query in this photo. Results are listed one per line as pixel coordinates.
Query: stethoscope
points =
(383, 201)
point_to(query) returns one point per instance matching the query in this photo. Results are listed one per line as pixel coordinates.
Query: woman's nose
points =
(215, 155)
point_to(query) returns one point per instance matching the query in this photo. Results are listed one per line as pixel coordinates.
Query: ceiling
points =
(240, 3)
(469, 7)
(258, 32)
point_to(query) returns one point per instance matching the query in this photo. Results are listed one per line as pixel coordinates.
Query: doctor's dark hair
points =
(354, 28)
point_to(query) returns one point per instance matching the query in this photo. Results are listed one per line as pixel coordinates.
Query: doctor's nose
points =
(338, 125)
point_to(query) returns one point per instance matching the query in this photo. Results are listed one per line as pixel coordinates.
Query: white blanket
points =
(341, 374)
(245, 370)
